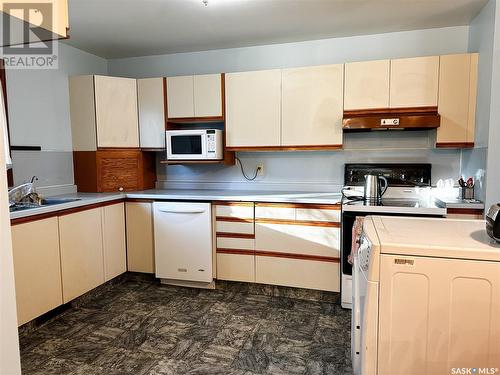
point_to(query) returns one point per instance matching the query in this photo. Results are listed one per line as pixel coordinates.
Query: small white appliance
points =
(426, 297)
(183, 243)
(196, 144)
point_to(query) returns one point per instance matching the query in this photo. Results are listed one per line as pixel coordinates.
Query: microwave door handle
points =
(174, 211)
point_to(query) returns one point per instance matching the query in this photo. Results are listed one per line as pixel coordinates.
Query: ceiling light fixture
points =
(205, 2)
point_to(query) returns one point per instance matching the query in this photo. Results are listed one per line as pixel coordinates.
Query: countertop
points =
(85, 199)
(459, 203)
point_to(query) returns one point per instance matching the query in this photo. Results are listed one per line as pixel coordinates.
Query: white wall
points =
(325, 51)
(38, 104)
(309, 170)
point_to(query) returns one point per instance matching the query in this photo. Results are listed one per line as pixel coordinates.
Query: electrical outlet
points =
(260, 170)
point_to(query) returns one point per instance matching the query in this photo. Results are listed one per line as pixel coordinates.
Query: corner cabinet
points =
(312, 106)
(457, 100)
(198, 97)
(105, 134)
(151, 107)
(253, 115)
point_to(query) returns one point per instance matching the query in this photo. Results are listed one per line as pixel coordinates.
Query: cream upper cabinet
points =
(180, 97)
(37, 268)
(207, 95)
(253, 109)
(367, 85)
(115, 248)
(196, 96)
(81, 242)
(457, 100)
(414, 82)
(103, 112)
(140, 242)
(151, 106)
(116, 112)
(312, 105)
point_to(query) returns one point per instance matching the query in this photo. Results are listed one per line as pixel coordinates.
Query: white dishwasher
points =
(183, 243)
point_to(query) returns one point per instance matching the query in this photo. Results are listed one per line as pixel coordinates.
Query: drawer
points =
(236, 267)
(298, 239)
(313, 214)
(234, 227)
(235, 243)
(298, 273)
(270, 211)
(243, 210)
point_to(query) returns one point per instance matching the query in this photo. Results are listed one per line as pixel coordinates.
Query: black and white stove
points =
(408, 194)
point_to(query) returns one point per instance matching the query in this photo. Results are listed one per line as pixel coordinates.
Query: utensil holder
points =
(467, 192)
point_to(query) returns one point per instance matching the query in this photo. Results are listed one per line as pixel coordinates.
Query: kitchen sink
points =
(21, 206)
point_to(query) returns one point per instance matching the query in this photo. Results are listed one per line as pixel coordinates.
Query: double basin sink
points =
(43, 203)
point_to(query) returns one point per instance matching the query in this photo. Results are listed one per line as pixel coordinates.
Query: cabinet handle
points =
(173, 211)
(120, 188)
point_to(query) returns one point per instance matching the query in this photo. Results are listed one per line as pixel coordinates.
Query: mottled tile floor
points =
(143, 328)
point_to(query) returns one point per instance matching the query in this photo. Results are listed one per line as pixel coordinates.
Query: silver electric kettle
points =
(374, 188)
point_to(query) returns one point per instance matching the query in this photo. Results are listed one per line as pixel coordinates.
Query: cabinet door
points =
(82, 113)
(414, 82)
(457, 99)
(82, 262)
(367, 85)
(151, 104)
(236, 267)
(207, 95)
(115, 248)
(180, 97)
(37, 268)
(253, 115)
(116, 112)
(140, 243)
(312, 106)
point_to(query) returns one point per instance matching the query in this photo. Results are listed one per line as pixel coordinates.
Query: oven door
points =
(186, 145)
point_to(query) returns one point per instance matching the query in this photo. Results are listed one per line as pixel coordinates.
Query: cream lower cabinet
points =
(235, 250)
(81, 242)
(140, 242)
(457, 100)
(253, 114)
(298, 245)
(115, 247)
(37, 268)
(312, 106)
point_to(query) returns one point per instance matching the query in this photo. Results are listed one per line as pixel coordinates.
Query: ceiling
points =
(125, 28)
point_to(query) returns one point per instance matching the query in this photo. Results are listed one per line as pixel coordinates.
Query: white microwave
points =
(204, 144)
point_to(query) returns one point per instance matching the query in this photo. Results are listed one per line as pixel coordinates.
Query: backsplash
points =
(317, 171)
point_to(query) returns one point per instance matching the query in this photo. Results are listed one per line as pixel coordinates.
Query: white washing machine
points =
(426, 298)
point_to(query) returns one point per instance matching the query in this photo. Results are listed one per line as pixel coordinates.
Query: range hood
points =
(415, 118)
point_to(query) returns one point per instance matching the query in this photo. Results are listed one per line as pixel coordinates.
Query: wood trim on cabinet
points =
(193, 120)
(232, 203)
(165, 103)
(140, 200)
(389, 111)
(286, 148)
(310, 223)
(455, 145)
(235, 251)
(276, 254)
(64, 212)
(235, 235)
(314, 206)
(464, 211)
(234, 219)
(85, 170)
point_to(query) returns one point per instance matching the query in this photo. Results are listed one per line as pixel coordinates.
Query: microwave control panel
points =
(211, 143)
